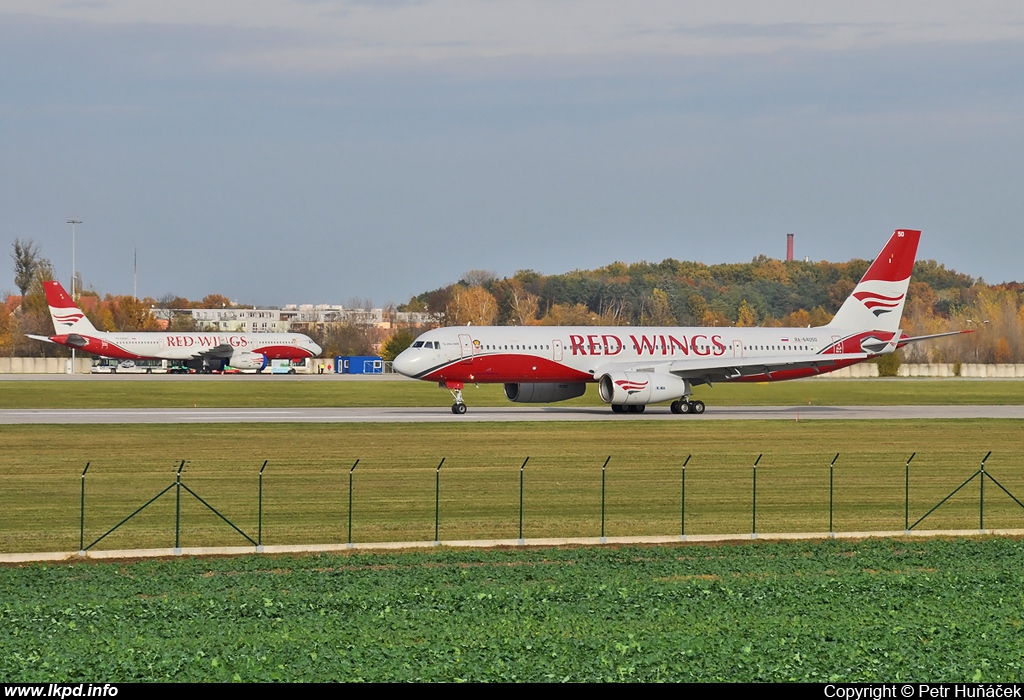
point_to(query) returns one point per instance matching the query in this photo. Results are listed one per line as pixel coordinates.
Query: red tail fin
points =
(57, 297)
(896, 261)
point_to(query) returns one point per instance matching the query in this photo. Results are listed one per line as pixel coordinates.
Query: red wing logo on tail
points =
(631, 387)
(878, 304)
(68, 319)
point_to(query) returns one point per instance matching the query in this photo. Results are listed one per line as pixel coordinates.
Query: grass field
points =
(870, 611)
(280, 391)
(306, 480)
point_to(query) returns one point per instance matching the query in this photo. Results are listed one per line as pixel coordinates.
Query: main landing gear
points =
(685, 407)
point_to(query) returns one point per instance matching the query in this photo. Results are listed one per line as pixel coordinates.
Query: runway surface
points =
(488, 415)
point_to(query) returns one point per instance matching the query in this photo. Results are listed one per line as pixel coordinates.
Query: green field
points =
(867, 611)
(235, 392)
(306, 480)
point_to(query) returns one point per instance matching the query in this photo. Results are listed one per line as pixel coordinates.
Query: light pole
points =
(73, 222)
(979, 326)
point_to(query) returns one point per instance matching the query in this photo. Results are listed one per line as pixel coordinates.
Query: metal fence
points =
(633, 502)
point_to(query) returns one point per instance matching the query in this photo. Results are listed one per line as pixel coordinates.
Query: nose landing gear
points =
(459, 407)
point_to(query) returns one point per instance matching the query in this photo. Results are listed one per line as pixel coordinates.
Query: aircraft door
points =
(556, 350)
(466, 348)
(737, 348)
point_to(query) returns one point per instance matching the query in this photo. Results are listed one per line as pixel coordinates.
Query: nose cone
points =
(315, 349)
(405, 363)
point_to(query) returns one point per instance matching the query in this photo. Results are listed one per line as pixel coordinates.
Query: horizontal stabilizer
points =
(917, 338)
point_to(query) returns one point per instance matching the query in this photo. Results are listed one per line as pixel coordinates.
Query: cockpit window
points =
(418, 344)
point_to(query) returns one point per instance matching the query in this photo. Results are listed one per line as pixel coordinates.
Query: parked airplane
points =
(637, 366)
(201, 351)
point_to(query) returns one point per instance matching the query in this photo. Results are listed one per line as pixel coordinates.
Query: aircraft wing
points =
(711, 369)
(44, 338)
(221, 351)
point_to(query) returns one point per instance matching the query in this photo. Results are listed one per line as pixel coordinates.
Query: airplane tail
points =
(877, 301)
(66, 316)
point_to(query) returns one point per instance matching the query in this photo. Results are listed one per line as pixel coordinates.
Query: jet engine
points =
(544, 392)
(247, 360)
(639, 388)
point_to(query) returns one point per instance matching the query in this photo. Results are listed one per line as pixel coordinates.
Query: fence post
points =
(81, 523)
(981, 501)
(521, 470)
(603, 469)
(437, 502)
(259, 531)
(831, 468)
(350, 503)
(682, 502)
(177, 510)
(906, 495)
(753, 510)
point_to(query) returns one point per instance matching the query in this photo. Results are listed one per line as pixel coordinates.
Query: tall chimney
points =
(789, 247)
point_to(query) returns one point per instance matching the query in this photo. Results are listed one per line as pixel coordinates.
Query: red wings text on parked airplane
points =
(637, 366)
(201, 351)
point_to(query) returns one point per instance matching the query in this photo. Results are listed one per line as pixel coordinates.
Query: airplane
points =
(634, 367)
(200, 351)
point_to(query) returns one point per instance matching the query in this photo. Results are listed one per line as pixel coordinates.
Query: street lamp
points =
(73, 222)
(980, 326)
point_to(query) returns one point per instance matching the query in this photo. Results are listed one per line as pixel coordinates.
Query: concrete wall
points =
(859, 371)
(43, 365)
(972, 371)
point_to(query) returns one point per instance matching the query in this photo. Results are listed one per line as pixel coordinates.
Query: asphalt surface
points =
(488, 415)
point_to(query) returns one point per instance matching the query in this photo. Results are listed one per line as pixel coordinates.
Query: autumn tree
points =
(656, 310)
(517, 305)
(214, 301)
(473, 305)
(130, 314)
(394, 345)
(570, 315)
(745, 316)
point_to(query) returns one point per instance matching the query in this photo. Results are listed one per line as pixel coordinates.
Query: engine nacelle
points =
(247, 360)
(640, 388)
(544, 392)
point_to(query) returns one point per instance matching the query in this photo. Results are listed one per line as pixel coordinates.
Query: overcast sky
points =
(319, 150)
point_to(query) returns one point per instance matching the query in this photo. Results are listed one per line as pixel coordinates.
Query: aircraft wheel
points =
(617, 408)
(685, 407)
(639, 409)
(675, 406)
(458, 408)
(698, 407)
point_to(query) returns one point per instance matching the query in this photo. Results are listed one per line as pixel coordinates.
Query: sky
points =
(322, 151)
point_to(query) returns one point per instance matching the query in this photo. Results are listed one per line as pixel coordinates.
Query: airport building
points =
(293, 317)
